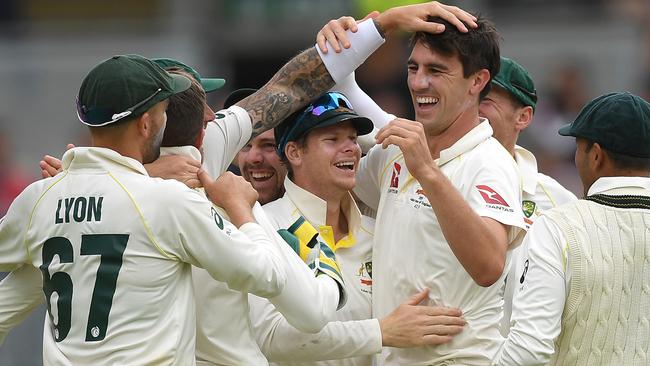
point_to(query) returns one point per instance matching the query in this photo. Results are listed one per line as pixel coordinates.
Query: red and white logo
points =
(491, 196)
(394, 180)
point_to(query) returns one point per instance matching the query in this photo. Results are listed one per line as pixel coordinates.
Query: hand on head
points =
(410, 18)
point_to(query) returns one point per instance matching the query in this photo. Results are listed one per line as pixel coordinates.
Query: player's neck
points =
(456, 130)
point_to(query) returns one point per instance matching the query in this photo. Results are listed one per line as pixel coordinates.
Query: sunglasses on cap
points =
(327, 102)
(98, 117)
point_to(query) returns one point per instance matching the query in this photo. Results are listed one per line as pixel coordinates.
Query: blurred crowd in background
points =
(574, 50)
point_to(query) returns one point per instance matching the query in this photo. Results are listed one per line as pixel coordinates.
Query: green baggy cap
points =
(124, 86)
(208, 84)
(514, 79)
(619, 122)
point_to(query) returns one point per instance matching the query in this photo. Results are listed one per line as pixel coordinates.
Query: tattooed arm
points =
(305, 76)
(296, 84)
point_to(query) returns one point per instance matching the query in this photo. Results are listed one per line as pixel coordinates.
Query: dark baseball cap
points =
(124, 86)
(514, 79)
(327, 110)
(619, 122)
(208, 84)
(237, 95)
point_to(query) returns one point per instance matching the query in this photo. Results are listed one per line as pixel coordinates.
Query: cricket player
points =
(186, 112)
(319, 147)
(115, 247)
(443, 181)
(586, 291)
(509, 106)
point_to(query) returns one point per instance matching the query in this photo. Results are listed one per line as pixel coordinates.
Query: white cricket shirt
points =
(224, 335)
(341, 339)
(116, 248)
(538, 306)
(539, 193)
(411, 253)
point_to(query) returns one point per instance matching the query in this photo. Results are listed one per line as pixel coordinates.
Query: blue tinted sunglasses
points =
(327, 102)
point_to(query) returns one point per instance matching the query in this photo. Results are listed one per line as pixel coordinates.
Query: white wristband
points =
(362, 44)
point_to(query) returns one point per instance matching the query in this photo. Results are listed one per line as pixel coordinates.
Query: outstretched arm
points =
(306, 77)
(409, 325)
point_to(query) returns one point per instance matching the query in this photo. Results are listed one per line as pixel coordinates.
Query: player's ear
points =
(144, 124)
(479, 80)
(524, 118)
(293, 153)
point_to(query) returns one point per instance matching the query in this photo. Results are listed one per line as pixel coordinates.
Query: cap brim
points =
(237, 95)
(566, 130)
(179, 83)
(212, 84)
(363, 125)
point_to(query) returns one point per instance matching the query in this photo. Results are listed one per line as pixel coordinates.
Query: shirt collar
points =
(605, 184)
(314, 209)
(527, 165)
(80, 157)
(475, 136)
(188, 150)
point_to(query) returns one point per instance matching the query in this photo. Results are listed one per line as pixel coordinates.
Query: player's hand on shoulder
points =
(234, 189)
(51, 166)
(232, 193)
(179, 167)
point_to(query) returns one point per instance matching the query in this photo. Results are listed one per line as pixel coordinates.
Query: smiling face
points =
(502, 112)
(439, 92)
(327, 163)
(260, 165)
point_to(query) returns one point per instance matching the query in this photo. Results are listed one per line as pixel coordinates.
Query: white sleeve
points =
(280, 341)
(492, 190)
(362, 44)
(364, 106)
(538, 305)
(224, 137)
(20, 292)
(13, 250)
(246, 259)
(307, 302)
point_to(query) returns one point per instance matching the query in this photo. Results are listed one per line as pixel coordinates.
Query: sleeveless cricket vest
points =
(607, 312)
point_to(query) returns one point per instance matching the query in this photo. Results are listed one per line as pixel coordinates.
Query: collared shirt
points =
(538, 306)
(411, 253)
(154, 229)
(352, 333)
(539, 193)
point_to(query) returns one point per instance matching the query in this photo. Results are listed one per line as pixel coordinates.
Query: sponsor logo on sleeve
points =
(523, 275)
(365, 277)
(394, 180)
(217, 218)
(493, 199)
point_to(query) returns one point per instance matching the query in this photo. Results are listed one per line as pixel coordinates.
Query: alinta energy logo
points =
(493, 199)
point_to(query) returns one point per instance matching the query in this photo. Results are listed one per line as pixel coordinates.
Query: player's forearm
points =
(336, 341)
(473, 241)
(305, 77)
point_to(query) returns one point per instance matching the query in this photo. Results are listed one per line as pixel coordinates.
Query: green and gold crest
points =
(528, 208)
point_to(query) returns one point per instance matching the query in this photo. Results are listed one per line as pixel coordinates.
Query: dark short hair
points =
(623, 161)
(477, 49)
(184, 114)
